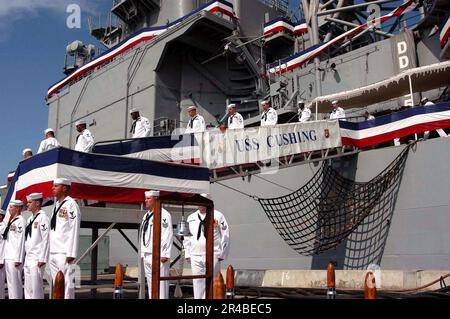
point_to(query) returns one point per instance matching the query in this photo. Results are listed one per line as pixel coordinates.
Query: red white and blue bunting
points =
(396, 125)
(144, 35)
(445, 31)
(303, 57)
(282, 24)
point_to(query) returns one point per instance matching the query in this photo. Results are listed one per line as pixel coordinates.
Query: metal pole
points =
(347, 8)
(315, 40)
(411, 89)
(317, 110)
(94, 262)
(93, 245)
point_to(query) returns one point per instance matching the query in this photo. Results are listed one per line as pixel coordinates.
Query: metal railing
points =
(280, 5)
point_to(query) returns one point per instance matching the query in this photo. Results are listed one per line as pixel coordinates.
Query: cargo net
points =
(325, 211)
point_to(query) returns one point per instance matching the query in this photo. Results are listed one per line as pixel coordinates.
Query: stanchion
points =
(59, 286)
(118, 282)
(230, 283)
(331, 281)
(219, 287)
(370, 290)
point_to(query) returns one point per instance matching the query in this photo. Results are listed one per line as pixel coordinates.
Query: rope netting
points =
(329, 207)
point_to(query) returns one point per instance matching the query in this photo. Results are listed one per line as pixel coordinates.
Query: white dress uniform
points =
(370, 117)
(15, 253)
(269, 117)
(64, 237)
(141, 128)
(304, 115)
(2, 261)
(337, 113)
(196, 125)
(85, 141)
(195, 247)
(48, 144)
(146, 240)
(36, 250)
(235, 121)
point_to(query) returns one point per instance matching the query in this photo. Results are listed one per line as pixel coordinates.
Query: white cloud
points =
(11, 12)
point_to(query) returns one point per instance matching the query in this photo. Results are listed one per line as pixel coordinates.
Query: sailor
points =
(426, 134)
(338, 112)
(235, 120)
(36, 247)
(49, 142)
(64, 233)
(368, 116)
(146, 240)
(27, 153)
(85, 140)
(195, 246)
(2, 259)
(196, 122)
(14, 251)
(269, 116)
(141, 125)
(304, 112)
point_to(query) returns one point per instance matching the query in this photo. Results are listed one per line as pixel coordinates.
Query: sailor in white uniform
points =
(304, 112)
(64, 234)
(146, 242)
(338, 112)
(2, 258)
(141, 125)
(368, 116)
(27, 153)
(269, 116)
(49, 142)
(196, 122)
(195, 246)
(235, 120)
(14, 251)
(36, 247)
(85, 140)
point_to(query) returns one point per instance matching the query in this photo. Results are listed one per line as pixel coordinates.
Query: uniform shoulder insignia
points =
(72, 215)
(165, 224)
(44, 227)
(19, 229)
(224, 227)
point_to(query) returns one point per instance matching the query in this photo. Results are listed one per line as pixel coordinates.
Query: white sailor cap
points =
(264, 102)
(27, 150)
(208, 196)
(80, 122)
(301, 102)
(62, 181)
(2, 212)
(425, 99)
(134, 111)
(192, 107)
(231, 106)
(34, 196)
(49, 130)
(16, 202)
(151, 193)
(334, 102)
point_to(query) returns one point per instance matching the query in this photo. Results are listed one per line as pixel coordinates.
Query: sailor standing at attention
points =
(338, 112)
(196, 122)
(304, 112)
(146, 239)
(64, 231)
(195, 246)
(49, 142)
(36, 247)
(269, 116)
(85, 140)
(2, 258)
(235, 120)
(141, 125)
(14, 251)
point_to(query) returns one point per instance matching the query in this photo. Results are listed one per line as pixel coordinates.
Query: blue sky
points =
(33, 39)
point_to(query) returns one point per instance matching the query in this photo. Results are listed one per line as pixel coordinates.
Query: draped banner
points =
(103, 177)
(214, 149)
(396, 125)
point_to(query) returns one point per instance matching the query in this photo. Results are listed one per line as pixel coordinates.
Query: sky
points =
(33, 40)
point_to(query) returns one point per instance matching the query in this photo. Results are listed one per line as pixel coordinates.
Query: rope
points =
(424, 286)
(238, 191)
(273, 183)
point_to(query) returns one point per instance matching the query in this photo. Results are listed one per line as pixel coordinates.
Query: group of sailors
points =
(29, 246)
